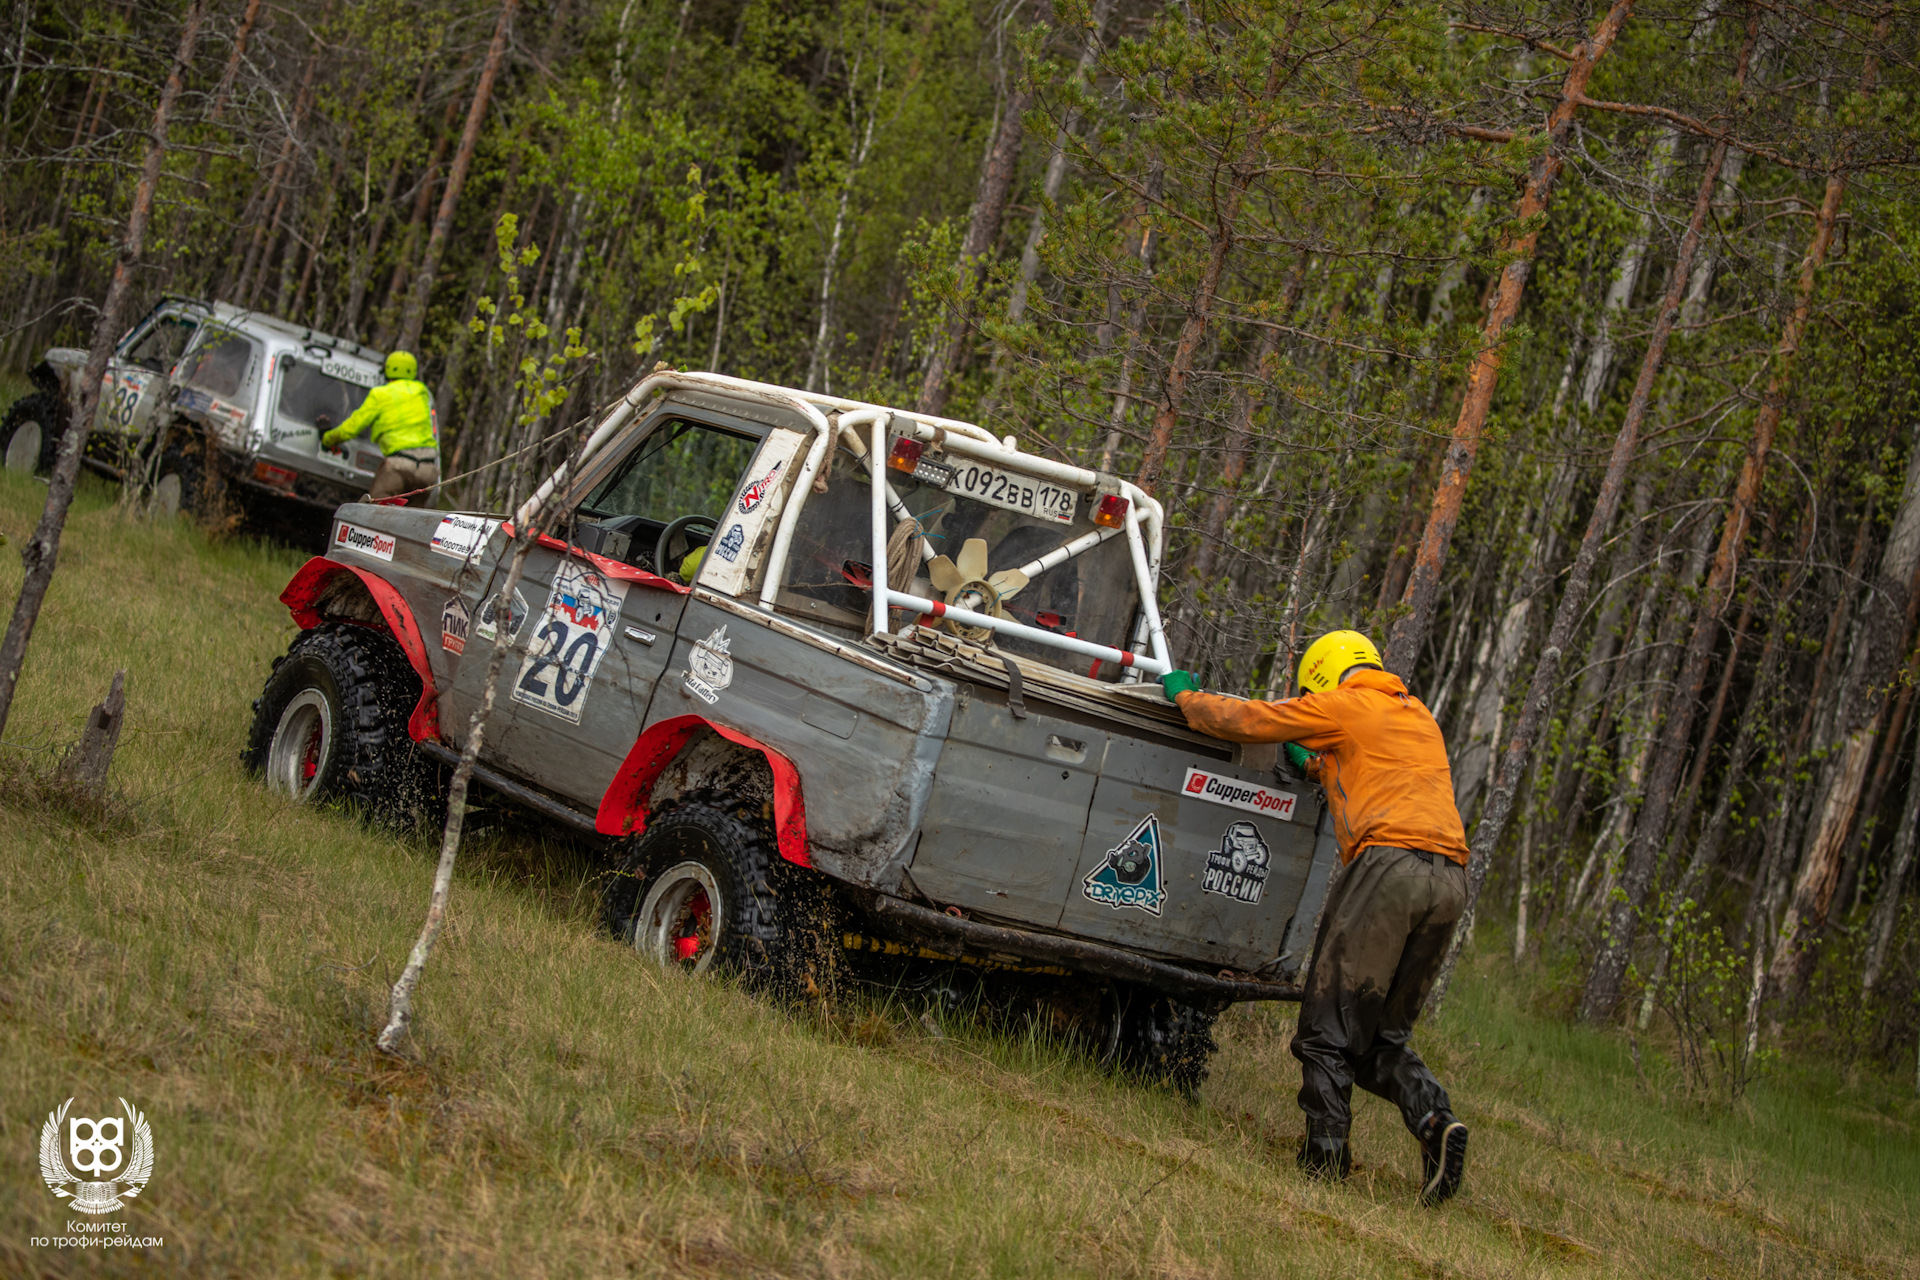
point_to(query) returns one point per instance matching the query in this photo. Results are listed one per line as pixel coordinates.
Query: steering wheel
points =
(680, 527)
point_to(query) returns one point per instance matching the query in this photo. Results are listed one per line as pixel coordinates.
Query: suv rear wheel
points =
(30, 436)
(332, 724)
(1158, 1037)
(180, 479)
(704, 887)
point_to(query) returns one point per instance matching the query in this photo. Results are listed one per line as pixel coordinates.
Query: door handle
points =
(644, 637)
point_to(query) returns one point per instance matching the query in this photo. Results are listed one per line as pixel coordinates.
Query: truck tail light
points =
(278, 477)
(1112, 511)
(905, 455)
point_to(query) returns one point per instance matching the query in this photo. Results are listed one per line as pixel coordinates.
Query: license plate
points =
(1024, 494)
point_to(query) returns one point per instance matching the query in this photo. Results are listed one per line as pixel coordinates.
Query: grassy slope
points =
(219, 958)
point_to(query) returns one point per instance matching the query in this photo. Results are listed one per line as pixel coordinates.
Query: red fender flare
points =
(623, 810)
(312, 581)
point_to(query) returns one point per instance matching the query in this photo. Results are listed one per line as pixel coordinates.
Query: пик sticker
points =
(455, 622)
(576, 629)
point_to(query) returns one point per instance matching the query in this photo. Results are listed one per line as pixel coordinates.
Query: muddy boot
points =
(1443, 1156)
(1325, 1156)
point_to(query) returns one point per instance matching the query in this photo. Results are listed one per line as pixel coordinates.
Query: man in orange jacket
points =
(1390, 913)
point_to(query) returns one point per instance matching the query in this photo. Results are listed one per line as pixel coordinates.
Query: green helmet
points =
(401, 364)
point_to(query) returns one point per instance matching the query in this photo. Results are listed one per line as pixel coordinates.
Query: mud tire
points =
(353, 687)
(763, 926)
(180, 481)
(1161, 1039)
(49, 415)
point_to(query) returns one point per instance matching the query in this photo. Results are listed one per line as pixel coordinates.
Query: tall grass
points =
(220, 959)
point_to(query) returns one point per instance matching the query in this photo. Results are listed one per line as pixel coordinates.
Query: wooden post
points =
(88, 761)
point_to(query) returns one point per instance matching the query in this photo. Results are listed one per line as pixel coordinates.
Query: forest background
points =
(1568, 349)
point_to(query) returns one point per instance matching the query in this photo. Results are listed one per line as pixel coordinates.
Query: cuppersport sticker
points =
(460, 536)
(368, 542)
(1130, 877)
(1238, 868)
(576, 630)
(1235, 794)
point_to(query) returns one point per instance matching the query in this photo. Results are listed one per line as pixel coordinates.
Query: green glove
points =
(1297, 756)
(1177, 683)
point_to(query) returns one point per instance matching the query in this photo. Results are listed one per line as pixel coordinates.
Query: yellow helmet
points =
(1332, 656)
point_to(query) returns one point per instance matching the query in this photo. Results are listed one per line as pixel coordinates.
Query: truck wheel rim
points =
(676, 926)
(23, 451)
(166, 496)
(302, 746)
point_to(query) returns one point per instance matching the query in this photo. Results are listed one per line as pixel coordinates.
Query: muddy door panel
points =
(574, 687)
(863, 742)
(1168, 867)
(1009, 811)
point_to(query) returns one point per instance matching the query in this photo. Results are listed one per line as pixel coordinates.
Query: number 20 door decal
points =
(575, 631)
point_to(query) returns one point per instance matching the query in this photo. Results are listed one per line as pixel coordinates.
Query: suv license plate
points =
(1024, 494)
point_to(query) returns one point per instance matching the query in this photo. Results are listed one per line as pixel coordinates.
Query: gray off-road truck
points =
(782, 649)
(197, 387)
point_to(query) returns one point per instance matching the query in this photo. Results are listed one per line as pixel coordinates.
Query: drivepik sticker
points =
(1238, 868)
(368, 542)
(1130, 877)
(1235, 794)
(460, 536)
(576, 630)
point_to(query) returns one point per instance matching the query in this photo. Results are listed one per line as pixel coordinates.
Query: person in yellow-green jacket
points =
(400, 416)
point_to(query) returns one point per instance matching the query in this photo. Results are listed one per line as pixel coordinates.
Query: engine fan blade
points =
(945, 578)
(1008, 581)
(973, 559)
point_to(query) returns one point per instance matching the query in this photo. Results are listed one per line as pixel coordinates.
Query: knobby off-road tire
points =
(1159, 1038)
(332, 724)
(705, 888)
(40, 418)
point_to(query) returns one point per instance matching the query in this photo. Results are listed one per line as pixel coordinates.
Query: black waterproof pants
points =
(1389, 916)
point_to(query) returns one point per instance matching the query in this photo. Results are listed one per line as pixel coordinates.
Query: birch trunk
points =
(42, 552)
(400, 1010)
(819, 375)
(1886, 911)
(1610, 962)
(1533, 710)
(1874, 661)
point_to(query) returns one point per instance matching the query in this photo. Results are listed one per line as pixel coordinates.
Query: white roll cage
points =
(963, 438)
